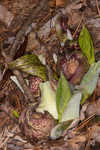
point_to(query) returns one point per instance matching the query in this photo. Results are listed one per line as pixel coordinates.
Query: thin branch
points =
(78, 26)
(97, 4)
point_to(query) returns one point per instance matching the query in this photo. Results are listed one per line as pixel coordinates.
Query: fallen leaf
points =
(52, 3)
(61, 3)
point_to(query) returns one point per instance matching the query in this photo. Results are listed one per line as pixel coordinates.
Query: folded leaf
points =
(63, 96)
(89, 81)
(30, 64)
(73, 108)
(61, 36)
(58, 130)
(48, 100)
(86, 45)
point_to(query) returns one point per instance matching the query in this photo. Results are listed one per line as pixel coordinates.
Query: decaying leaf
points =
(30, 64)
(86, 45)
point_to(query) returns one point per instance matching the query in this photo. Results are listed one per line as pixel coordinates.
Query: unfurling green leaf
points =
(30, 64)
(48, 100)
(72, 110)
(15, 113)
(89, 81)
(86, 45)
(62, 35)
(63, 96)
(58, 130)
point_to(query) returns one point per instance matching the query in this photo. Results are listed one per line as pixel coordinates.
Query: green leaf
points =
(73, 108)
(15, 113)
(63, 96)
(48, 100)
(86, 45)
(30, 64)
(89, 81)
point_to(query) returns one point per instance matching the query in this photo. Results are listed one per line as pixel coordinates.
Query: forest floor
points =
(49, 57)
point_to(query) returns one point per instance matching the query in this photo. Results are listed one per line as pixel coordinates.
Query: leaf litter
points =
(50, 32)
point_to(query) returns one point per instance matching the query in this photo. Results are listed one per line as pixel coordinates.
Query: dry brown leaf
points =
(5, 16)
(93, 107)
(60, 3)
(32, 42)
(52, 3)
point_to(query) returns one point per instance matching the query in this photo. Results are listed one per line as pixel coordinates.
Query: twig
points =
(84, 122)
(3, 122)
(97, 4)
(78, 26)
